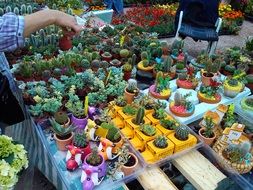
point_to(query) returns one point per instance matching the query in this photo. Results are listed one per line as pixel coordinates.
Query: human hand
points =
(67, 21)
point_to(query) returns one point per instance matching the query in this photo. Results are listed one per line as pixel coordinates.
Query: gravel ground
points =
(41, 183)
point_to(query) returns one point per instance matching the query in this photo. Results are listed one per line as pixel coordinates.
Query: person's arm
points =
(44, 18)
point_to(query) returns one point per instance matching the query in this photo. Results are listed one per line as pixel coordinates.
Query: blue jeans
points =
(117, 5)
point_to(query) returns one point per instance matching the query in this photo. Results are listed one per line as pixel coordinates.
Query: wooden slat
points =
(155, 179)
(199, 171)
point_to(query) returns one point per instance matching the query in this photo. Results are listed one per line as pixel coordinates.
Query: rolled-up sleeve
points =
(11, 32)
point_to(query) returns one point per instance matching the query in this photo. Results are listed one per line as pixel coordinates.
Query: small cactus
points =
(182, 133)
(42, 35)
(177, 99)
(80, 140)
(121, 101)
(182, 76)
(139, 116)
(85, 64)
(95, 64)
(132, 86)
(148, 130)
(23, 9)
(46, 74)
(233, 82)
(1, 11)
(134, 57)
(144, 55)
(8, 9)
(167, 64)
(161, 141)
(16, 11)
(124, 53)
(127, 67)
(29, 9)
(113, 134)
(159, 75)
(61, 117)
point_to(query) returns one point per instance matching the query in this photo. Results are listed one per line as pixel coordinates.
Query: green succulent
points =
(161, 141)
(182, 133)
(59, 130)
(169, 124)
(148, 130)
(80, 140)
(129, 110)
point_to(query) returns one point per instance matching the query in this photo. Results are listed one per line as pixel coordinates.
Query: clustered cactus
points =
(148, 130)
(94, 158)
(182, 133)
(139, 116)
(180, 100)
(161, 141)
(80, 140)
(129, 109)
(236, 153)
(169, 124)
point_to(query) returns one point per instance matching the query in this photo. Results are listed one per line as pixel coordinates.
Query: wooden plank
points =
(155, 179)
(198, 170)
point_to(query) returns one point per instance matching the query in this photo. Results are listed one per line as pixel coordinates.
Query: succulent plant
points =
(121, 101)
(61, 117)
(161, 141)
(94, 158)
(236, 153)
(127, 67)
(230, 68)
(8, 9)
(182, 76)
(159, 113)
(148, 130)
(95, 64)
(209, 125)
(144, 55)
(113, 134)
(124, 53)
(167, 64)
(139, 116)
(132, 86)
(107, 54)
(80, 140)
(29, 9)
(169, 124)
(1, 11)
(23, 9)
(129, 109)
(182, 132)
(145, 63)
(16, 10)
(59, 130)
(133, 61)
(233, 82)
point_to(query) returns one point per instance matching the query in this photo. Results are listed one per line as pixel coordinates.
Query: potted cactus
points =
(62, 135)
(187, 80)
(167, 126)
(161, 141)
(182, 138)
(115, 63)
(160, 90)
(65, 42)
(106, 56)
(128, 111)
(232, 87)
(131, 91)
(238, 156)
(148, 130)
(181, 106)
(158, 114)
(166, 67)
(62, 118)
(206, 133)
(145, 64)
(81, 141)
(79, 112)
(211, 69)
(93, 163)
(124, 53)
(127, 69)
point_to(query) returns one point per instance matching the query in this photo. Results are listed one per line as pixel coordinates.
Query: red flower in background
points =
(214, 83)
(190, 70)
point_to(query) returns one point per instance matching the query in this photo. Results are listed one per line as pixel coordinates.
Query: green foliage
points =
(209, 125)
(249, 102)
(148, 130)
(121, 101)
(230, 68)
(36, 110)
(180, 100)
(162, 82)
(94, 158)
(237, 153)
(182, 133)
(61, 117)
(129, 109)
(161, 141)
(127, 67)
(139, 116)
(113, 134)
(59, 130)
(80, 140)
(233, 82)
(159, 114)
(169, 124)
(249, 43)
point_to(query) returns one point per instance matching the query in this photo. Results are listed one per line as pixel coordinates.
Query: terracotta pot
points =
(206, 80)
(208, 141)
(127, 75)
(209, 101)
(186, 84)
(156, 95)
(61, 143)
(67, 123)
(129, 96)
(128, 170)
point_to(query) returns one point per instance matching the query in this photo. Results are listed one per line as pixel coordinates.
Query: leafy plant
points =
(121, 101)
(180, 100)
(148, 130)
(209, 125)
(159, 113)
(59, 130)
(162, 82)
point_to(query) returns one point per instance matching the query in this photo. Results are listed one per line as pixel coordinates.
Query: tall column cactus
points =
(134, 57)
(42, 35)
(29, 9)
(16, 10)
(167, 64)
(139, 116)
(23, 9)
(86, 105)
(158, 76)
(8, 9)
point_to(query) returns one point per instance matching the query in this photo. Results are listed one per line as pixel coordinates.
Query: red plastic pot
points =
(65, 43)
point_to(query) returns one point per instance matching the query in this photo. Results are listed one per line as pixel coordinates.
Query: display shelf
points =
(72, 180)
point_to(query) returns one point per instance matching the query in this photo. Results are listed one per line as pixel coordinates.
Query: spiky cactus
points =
(161, 141)
(94, 158)
(113, 134)
(86, 105)
(29, 9)
(134, 57)
(80, 140)
(42, 35)
(182, 133)
(144, 55)
(16, 10)
(1, 11)
(233, 82)
(61, 117)
(178, 99)
(159, 75)
(132, 86)
(8, 9)
(139, 116)
(167, 64)
(23, 9)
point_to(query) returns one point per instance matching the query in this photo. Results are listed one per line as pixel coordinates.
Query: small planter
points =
(80, 123)
(208, 141)
(214, 100)
(186, 84)
(65, 43)
(85, 151)
(106, 57)
(61, 142)
(232, 91)
(145, 69)
(182, 145)
(206, 78)
(131, 165)
(115, 63)
(153, 120)
(127, 75)
(156, 95)
(129, 96)
(181, 111)
(165, 131)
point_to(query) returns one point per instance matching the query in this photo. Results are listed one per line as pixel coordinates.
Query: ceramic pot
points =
(179, 113)
(202, 98)
(128, 170)
(106, 58)
(186, 84)
(129, 96)
(80, 123)
(157, 95)
(206, 79)
(208, 141)
(61, 143)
